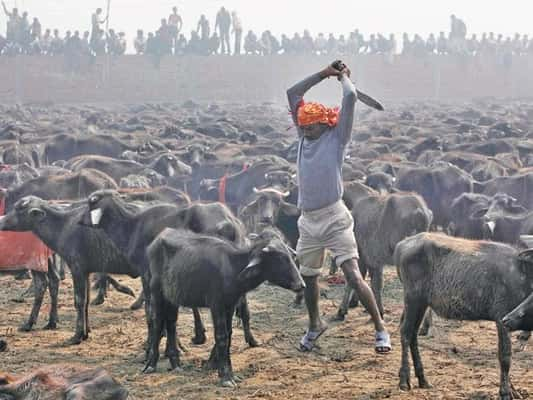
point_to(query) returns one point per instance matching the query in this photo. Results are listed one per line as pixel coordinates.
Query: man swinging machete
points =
(326, 222)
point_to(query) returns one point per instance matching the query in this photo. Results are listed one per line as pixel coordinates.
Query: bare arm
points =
(5, 10)
(296, 93)
(349, 97)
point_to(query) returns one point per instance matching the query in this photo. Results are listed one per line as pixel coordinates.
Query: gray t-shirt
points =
(320, 160)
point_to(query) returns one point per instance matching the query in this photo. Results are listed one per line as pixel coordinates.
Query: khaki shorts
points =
(329, 228)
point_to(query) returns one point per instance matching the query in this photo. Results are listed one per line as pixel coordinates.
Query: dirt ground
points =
(460, 358)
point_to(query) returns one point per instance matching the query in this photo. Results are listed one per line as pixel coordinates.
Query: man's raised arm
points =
(296, 93)
(6, 10)
(349, 97)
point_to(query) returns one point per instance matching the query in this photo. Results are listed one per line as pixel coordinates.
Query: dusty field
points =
(460, 359)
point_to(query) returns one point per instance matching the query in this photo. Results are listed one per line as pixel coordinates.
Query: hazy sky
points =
(281, 16)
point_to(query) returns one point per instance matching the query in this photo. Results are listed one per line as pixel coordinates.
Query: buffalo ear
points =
(252, 270)
(37, 213)
(289, 209)
(526, 257)
(479, 213)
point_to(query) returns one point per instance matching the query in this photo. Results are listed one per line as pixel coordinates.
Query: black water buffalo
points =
(65, 147)
(166, 165)
(191, 270)
(61, 187)
(69, 382)
(85, 250)
(439, 185)
(518, 186)
(132, 231)
(382, 221)
(463, 280)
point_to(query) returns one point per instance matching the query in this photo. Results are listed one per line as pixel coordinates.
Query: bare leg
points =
(356, 281)
(312, 296)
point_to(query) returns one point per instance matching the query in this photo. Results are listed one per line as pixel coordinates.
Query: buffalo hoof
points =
(73, 341)
(339, 317)
(26, 327)
(99, 300)
(210, 365)
(424, 385)
(148, 370)
(228, 383)
(354, 302)
(50, 326)
(199, 339)
(252, 342)
(137, 305)
(405, 386)
(424, 331)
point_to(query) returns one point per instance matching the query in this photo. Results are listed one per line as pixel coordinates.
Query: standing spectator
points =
(99, 43)
(175, 24)
(56, 46)
(223, 23)
(237, 31)
(431, 44)
(321, 44)
(297, 44)
(36, 29)
(46, 42)
(95, 24)
(341, 45)
(265, 47)
(332, 45)
(457, 35)
(194, 45)
(140, 42)
(12, 23)
(203, 28)
(442, 44)
(308, 44)
(181, 45)
(24, 33)
(214, 44)
(473, 45)
(165, 38)
(121, 44)
(286, 44)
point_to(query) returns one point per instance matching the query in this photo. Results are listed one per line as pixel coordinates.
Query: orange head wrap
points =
(316, 113)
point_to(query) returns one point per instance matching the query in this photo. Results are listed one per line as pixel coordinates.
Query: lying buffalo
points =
(67, 382)
(462, 280)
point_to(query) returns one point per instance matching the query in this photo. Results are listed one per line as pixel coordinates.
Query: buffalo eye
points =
(93, 199)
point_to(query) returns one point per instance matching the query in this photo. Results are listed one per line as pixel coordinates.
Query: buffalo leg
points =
(53, 288)
(137, 304)
(504, 357)
(156, 307)
(171, 319)
(412, 316)
(199, 329)
(220, 322)
(80, 297)
(427, 323)
(101, 287)
(39, 287)
(86, 310)
(244, 314)
(376, 282)
(346, 298)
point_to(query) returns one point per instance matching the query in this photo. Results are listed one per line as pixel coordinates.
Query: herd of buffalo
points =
(199, 202)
